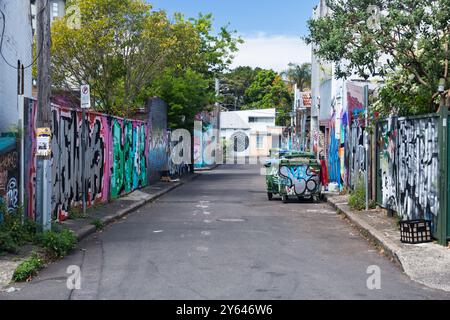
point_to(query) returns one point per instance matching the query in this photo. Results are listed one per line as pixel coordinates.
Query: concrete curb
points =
(90, 229)
(206, 168)
(391, 250)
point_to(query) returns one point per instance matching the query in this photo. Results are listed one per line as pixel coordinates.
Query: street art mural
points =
(116, 159)
(334, 167)
(357, 158)
(67, 161)
(158, 157)
(302, 180)
(418, 172)
(387, 159)
(129, 149)
(9, 177)
(409, 166)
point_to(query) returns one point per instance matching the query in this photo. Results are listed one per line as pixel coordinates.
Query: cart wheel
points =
(284, 198)
(270, 196)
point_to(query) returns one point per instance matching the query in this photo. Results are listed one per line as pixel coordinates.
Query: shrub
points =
(98, 224)
(28, 268)
(357, 198)
(7, 243)
(58, 244)
(15, 231)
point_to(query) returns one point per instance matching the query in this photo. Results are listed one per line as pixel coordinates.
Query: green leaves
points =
(123, 48)
(412, 39)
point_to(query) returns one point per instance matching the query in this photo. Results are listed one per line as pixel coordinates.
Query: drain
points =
(231, 220)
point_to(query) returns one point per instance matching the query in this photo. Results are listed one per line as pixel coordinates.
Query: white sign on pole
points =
(85, 96)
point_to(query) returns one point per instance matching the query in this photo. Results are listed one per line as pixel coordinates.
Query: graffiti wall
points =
(116, 159)
(9, 174)
(409, 166)
(357, 155)
(346, 152)
(387, 164)
(158, 139)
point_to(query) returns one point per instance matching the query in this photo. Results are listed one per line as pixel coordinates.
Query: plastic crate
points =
(415, 231)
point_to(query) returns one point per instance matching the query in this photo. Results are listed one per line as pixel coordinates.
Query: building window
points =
(55, 11)
(261, 119)
(259, 142)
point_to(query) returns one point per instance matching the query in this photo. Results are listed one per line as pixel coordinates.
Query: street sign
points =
(43, 139)
(85, 96)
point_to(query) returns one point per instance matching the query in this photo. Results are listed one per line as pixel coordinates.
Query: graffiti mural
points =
(303, 181)
(357, 158)
(408, 160)
(116, 158)
(158, 139)
(129, 167)
(9, 174)
(67, 161)
(418, 172)
(387, 140)
(333, 159)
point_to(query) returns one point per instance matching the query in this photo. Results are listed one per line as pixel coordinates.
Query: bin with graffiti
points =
(294, 175)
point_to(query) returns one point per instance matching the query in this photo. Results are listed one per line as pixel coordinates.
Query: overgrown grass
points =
(76, 213)
(357, 198)
(58, 244)
(28, 268)
(98, 224)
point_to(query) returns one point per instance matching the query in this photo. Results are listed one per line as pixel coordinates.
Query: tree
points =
(122, 47)
(299, 74)
(234, 85)
(268, 90)
(187, 93)
(408, 46)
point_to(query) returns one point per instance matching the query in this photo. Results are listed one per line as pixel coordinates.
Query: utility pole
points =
(43, 41)
(43, 170)
(366, 144)
(219, 151)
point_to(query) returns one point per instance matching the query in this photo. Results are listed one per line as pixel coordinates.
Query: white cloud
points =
(271, 52)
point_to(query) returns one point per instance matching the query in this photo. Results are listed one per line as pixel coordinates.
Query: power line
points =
(3, 36)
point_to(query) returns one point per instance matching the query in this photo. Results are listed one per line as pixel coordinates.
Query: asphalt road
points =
(218, 237)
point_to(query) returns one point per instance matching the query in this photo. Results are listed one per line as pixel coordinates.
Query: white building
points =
(16, 50)
(250, 132)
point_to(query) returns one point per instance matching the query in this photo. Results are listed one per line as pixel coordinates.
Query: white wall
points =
(17, 45)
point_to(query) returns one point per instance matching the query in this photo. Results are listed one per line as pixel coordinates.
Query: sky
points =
(271, 29)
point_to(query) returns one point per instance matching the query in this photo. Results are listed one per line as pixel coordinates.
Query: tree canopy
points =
(123, 47)
(268, 90)
(406, 42)
(299, 74)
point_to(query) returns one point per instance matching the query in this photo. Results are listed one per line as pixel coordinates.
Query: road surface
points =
(218, 237)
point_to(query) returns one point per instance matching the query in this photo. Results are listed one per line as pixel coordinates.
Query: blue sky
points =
(271, 29)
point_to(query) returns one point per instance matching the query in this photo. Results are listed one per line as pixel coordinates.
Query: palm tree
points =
(299, 74)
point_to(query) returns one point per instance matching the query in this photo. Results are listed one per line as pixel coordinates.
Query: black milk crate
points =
(415, 231)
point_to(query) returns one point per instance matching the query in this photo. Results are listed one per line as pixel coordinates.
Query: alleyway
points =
(218, 237)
